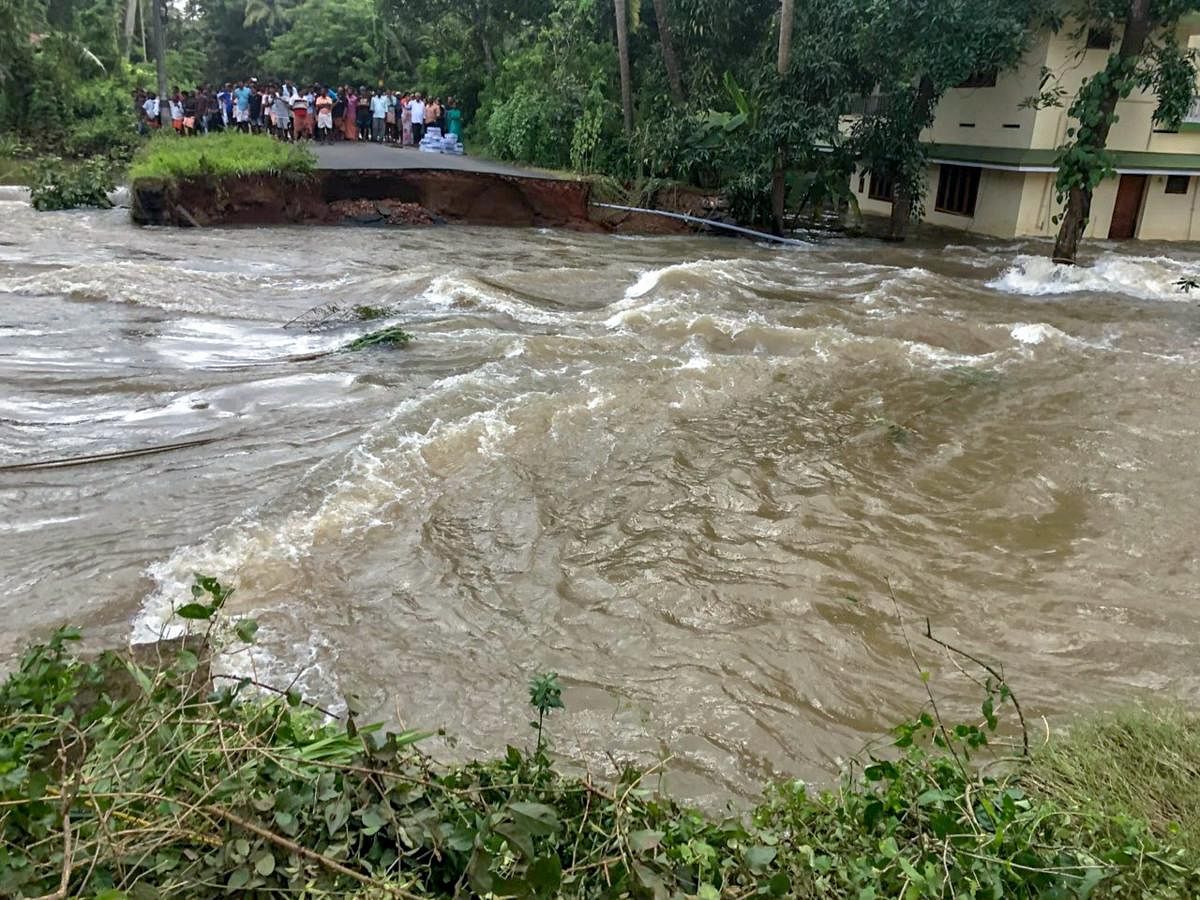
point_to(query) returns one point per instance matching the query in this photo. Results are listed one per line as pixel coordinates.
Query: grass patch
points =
(1136, 764)
(125, 778)
(226, 154)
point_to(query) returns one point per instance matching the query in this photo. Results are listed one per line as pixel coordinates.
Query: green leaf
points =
(758, 858)
(372, 820)
(238, 879)
(642, 841)
(336, 815)
(245, 629)
(989, 714)
(265, 864)
(140, 676)
(537, 817)
(518, 838)
(934, 795)
(194, 611)
(708, 892)
(545, 874)
(186, 661)
(779, 885)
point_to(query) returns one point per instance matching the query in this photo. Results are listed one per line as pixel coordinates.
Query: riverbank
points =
(236, 179)
(126, 774)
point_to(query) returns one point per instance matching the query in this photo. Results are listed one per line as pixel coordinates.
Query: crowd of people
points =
(291, 113)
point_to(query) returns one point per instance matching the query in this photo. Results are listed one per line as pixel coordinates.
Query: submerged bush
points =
(120, 778)
(59, 185)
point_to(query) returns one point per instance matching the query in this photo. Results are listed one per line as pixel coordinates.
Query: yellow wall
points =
(1169, 217)
(990, 109)
(1017, 204)
(1134, 129)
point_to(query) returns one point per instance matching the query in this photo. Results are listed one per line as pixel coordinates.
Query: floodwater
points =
(680, 472)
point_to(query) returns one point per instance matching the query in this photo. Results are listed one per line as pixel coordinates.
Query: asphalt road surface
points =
(350, 156)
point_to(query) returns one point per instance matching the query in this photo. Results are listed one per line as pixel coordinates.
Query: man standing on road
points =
(379, 110)
(418, 118)
(242, 97)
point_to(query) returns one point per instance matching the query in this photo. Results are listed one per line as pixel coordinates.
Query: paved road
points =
(375, 156)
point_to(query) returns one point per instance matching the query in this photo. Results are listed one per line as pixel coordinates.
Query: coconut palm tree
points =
(619, 7)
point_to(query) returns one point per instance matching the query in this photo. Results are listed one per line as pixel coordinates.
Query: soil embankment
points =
(393, 197)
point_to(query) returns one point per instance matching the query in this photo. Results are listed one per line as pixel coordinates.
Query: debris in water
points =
(394, 337)
(328, 316)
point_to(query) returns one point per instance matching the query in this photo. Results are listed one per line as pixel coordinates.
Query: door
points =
(1130, 192)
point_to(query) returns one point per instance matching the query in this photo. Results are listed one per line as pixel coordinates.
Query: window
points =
(1178, 184)
(958, 190)
(881, 188)
(1099, 38)
(985, 78)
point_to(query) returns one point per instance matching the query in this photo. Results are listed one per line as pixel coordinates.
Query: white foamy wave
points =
(1142, 277)
(388, 467)
(1037, 333)
(714, 268)
(455, 293)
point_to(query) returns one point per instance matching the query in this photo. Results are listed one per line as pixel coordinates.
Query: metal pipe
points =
(696, 220)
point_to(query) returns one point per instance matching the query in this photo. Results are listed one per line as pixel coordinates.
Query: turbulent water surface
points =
(680, 472)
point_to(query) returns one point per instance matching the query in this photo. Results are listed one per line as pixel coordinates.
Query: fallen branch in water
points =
(105, 457)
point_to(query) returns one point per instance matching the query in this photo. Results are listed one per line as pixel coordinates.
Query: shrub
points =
(152, 777)
(59, 185)
(530, 126)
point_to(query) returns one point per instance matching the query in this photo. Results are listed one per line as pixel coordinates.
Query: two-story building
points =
(992, 156)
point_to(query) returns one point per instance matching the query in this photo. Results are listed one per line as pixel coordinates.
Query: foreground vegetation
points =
(121, 778)
(218, 155)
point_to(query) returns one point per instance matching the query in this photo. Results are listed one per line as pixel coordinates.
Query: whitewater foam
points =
(1142, 277)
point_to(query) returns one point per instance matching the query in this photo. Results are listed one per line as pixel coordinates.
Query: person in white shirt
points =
(418, 118)
(379, 109)
(177, 114)
(152, 110)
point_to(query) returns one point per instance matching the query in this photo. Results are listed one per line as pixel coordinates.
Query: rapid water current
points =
(678, 471)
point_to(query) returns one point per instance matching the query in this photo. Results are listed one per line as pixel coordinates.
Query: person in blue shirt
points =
(242, 96)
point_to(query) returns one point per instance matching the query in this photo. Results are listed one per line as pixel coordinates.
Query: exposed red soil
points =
(399, 197)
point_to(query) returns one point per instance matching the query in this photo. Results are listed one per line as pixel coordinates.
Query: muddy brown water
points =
(678, 471)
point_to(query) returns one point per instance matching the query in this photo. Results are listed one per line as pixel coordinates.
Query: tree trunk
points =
(1079, 199)
(489, 56)
(623, 53)
(787, 17)
(131, 8)
(902, 204)
(670, 60)
(902, 196)
(157, 9)
(142, 23)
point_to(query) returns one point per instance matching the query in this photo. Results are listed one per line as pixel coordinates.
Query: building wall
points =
(997, 211)
(992, 111)
(1018, 204)
(1135, 128)
(1169, 217)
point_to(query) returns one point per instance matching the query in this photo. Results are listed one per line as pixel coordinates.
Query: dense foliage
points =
(128, 778)
(739, 100)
